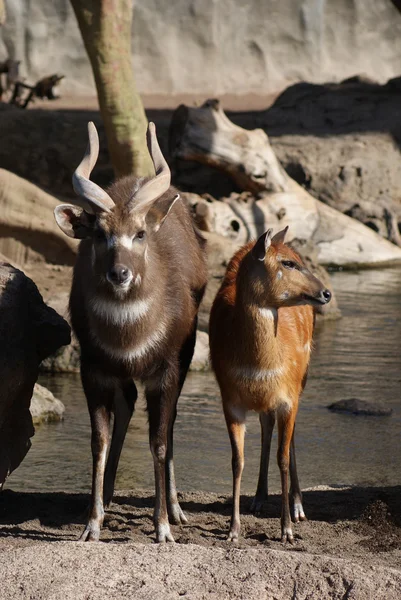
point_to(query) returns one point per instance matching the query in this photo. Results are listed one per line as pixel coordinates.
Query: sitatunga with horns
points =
(139, 277)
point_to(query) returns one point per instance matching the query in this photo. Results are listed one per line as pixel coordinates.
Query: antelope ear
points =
(159, 212)
(279, 237)
(262, 245)
(74, 221)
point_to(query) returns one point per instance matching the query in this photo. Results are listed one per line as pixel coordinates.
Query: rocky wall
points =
(215, 47)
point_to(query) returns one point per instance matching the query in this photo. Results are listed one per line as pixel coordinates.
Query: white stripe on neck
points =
(135, 352)
(255, 374)
(268, 313)
(122, 312)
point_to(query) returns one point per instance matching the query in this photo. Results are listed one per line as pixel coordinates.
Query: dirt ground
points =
(349, 548)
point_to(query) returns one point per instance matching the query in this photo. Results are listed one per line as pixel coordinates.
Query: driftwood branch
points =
(44, 88)
(206, 135)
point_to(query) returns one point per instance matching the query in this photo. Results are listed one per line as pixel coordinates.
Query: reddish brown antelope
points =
(261, 327)
(138, 280)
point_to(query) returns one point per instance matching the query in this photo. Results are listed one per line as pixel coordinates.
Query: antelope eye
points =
(289, 264)
(140, 235)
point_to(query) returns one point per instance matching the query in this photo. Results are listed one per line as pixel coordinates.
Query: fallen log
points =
(207, 135)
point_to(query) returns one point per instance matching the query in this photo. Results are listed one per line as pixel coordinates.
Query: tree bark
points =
(2, 12)
(106, 31)
(207, 135)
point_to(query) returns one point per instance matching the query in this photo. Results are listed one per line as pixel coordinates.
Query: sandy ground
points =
(349, 548)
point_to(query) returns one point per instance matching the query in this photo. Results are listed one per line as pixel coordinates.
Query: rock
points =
(29, 332)
(44, 406)
(355, 406)
(346, 157)
(66, 359)
(274, 43)
(200, 361)
(27, 228)
(205, 134)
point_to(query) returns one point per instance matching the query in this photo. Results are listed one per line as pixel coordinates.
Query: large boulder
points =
(341, 141)
(29, 331)
(27, 228)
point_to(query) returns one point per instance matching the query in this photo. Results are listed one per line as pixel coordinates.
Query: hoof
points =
(233, 534)
(287, 536)
(163, 533)
(299, 514)
(176, 515)
(90, 534)
(258, 505)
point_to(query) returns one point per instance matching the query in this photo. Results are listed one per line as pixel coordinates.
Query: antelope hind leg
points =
(267, 421)
(295, 490)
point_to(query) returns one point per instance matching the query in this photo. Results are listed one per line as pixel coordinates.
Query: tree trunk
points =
(2, 12)
(106, 31)
(207, 135)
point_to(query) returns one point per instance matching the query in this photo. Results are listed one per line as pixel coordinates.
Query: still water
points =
(356, 356)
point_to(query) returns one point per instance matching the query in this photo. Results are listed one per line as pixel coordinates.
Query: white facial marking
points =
(120, 288)
(255, 374)
(125, 241)
(268, 313)
(135, 352)
(120, 313)
(307, 347)
(138, 280)
(279, 275)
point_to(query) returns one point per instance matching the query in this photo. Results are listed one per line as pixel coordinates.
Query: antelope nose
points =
(326, 296)
(119, 274)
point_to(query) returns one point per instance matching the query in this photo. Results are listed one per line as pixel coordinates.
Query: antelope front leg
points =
(286, 422)
(161, 404)
(124, 404)
(175, 512)
(267, 421)
(99, 402)
(295, 490)
(236, 431)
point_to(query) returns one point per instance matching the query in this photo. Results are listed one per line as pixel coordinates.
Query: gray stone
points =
(200, 361)
(44, 406)
(355, 406)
